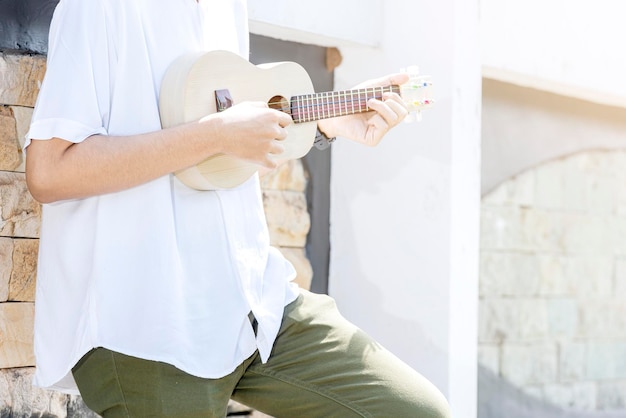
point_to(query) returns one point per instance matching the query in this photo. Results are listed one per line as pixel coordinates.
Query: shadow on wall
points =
(497, 398)
(24, 24)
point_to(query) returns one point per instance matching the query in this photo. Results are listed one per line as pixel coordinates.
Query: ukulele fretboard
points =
(316, 106)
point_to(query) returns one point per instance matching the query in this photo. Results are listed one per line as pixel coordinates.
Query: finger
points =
(269, 162)
(377, 127)
(279, 133)
(282, 118)
(400, 109)
(395, 97)
(378, 122)
(395, 102)
(391, 111)
(276, 148)
(398, 78)
(285, 120)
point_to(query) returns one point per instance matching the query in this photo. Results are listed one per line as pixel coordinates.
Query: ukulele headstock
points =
(416, 93)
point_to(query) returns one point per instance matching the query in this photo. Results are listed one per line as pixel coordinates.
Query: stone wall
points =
(20, 78)
(553, 282)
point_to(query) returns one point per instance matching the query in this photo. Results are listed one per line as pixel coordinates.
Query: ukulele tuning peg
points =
(416, 93)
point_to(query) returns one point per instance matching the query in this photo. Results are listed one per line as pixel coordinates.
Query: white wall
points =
(404, 215)
(319, 22)
(570, 47)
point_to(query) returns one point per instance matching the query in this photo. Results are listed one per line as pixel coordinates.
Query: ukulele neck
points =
(316, 106)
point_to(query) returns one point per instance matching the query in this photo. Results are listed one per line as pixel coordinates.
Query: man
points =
(155, 299)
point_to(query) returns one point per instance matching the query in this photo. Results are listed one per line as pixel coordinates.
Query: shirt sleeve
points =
(74, 99)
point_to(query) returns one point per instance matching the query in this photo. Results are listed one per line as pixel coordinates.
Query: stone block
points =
(618, 236)
(572, 361)
(489, 357)
(562, 317)
(575, 275)
(6, 267)
(23, 116)
(21, 76)
(529, 364)
(606, 360)
(620, 198)
(16, 335)
(619, 284)
(579, 180)
(304, 270)
(500, 320)
(542, 230)
(500, 229)
(533, 391)
(287, 218)
(10, 150)
(553, 278)
(533, 319)
(549, 182)
(21, 399)
(576, 396)
(497, 321)
(288, 176)
(589, 275)
(20, 214)
(612, 395)
(586, 233)
(508, 274)
(520, 229)
(602, 317)
(593, 179)
(517, 191)
(23, 276)
(512, 320)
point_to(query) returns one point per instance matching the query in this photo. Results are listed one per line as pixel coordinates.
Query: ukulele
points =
(199, 84)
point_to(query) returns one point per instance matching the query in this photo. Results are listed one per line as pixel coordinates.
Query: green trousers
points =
(321, 366)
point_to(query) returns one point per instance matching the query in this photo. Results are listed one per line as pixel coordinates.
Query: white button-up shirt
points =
(159, 271)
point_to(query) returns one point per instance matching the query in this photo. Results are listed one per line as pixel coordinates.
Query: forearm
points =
(59, 170)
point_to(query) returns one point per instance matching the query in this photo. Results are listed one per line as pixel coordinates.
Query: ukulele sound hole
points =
(279, 103)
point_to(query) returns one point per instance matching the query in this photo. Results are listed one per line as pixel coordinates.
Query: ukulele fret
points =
(316, 106)
(328, 108)
(352, 101)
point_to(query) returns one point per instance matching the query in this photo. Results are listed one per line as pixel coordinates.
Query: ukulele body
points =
(188, 93)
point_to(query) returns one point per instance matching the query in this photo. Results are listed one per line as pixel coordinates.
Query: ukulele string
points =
(338, 99)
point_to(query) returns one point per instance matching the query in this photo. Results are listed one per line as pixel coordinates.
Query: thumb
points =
(396, 78)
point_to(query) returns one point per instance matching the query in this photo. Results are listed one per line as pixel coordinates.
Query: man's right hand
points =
(251, 131)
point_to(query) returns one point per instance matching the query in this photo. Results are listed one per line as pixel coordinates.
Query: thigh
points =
(116, 385)
(323, 366)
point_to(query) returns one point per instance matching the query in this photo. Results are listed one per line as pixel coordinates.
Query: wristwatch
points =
(322, 141)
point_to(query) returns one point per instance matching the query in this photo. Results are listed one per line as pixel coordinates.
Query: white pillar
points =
(405, 215)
